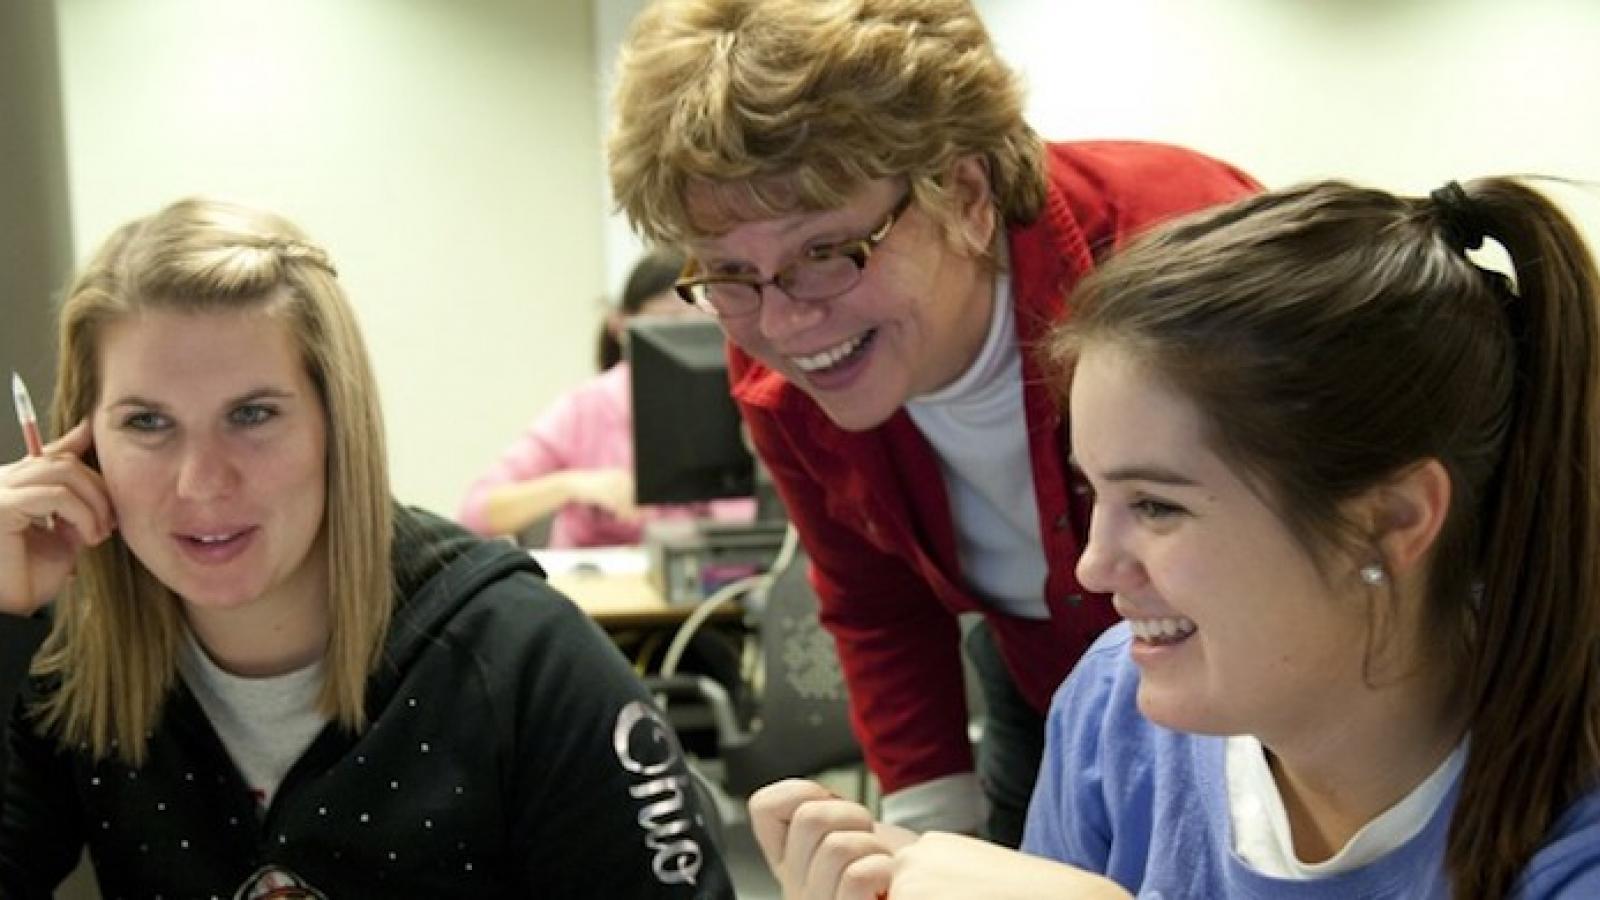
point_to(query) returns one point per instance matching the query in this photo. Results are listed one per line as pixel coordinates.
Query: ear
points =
(1406, 513)
(969, 184)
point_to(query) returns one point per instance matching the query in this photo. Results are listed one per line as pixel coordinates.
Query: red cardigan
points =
(871, 507)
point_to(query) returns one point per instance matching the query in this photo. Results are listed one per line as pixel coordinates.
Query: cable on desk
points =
(761, 581)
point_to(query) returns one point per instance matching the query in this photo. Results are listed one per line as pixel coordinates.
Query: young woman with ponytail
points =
(1347, 477)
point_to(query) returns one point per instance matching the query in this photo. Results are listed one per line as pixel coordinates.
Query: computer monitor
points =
(687, 445)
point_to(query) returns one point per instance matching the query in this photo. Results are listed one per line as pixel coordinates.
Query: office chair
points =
(796, 718)
(536, 535)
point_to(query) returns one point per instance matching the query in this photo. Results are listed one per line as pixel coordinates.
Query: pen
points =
(30, 427)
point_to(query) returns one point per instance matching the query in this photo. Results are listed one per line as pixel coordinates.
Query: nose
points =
(1106, 566)
(206, 470)
(782, 315)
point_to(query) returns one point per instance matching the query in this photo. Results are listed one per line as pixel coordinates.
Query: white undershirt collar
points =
(1261, 835)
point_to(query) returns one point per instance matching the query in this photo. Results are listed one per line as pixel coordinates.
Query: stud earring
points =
(1373, 574)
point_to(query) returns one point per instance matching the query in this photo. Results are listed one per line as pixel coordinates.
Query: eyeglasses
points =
(821, 273)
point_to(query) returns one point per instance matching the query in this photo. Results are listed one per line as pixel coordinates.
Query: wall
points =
(442, 150)
(622, 247)
(1404, 94)
(35, 235)
(449, 153)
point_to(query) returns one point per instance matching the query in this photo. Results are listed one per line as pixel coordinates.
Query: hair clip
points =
(298, 250)
(1465, 229)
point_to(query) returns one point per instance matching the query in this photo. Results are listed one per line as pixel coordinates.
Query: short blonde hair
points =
(113, 646)
(791, 105)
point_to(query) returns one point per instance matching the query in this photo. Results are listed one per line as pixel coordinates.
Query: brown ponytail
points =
(1534, 675)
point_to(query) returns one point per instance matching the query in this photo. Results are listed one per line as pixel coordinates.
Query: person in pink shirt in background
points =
(576, 460)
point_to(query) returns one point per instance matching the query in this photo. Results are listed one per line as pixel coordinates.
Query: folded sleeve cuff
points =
(951, 803)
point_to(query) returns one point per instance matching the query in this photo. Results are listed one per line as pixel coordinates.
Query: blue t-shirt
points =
(1148, 807)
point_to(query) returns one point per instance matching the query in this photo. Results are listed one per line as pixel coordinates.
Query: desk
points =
(613, 586)
(628, 601)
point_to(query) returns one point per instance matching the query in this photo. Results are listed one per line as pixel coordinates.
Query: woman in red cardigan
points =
(884, 238)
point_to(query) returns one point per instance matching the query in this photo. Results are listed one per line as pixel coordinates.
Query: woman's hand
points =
(824, 848)
(942, 866)
(821, 847)
(609, 489)
(36, 557)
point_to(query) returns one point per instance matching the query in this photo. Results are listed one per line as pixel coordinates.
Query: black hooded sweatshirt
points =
(510, 752)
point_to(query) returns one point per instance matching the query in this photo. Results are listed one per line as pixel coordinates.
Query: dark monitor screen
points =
(687, 445)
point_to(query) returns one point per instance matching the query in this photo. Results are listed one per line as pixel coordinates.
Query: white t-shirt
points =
(1261, 834)
(977, 427)
(265, 723)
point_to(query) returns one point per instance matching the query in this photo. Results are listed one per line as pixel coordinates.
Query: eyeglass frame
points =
(858, 251)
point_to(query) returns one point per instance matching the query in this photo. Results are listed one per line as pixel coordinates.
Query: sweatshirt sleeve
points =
(41, 836)
(605, 803)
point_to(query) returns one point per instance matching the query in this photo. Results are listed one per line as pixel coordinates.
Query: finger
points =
(30, 506)
(894, 836)
(62, 459)
(837, 853)
(56, 481)
(868, 878)
(815, 821)
(77, 441)
(89, 486)
(772, 809)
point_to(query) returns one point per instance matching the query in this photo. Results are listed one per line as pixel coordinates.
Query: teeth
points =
(213, 539)
(1165, 630)
(830, 356)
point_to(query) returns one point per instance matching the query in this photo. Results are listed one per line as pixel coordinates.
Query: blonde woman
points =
(262, 677)
(883, 237)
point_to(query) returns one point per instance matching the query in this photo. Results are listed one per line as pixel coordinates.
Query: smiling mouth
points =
(836, 356)
(1162, 631)
(211, 540)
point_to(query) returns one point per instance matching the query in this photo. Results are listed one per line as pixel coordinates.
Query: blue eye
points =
(1155, 509)
(252, 414)
(146, 421)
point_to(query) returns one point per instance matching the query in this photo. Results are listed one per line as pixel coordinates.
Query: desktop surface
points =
(614, 587)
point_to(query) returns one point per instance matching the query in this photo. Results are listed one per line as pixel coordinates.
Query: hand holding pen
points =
(52, 505)
(29, 423)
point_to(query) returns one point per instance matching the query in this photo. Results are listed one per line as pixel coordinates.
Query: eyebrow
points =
(830, 235)
(1150, 473)
(261, 393)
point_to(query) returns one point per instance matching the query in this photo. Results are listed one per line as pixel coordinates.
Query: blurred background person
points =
(575, 462)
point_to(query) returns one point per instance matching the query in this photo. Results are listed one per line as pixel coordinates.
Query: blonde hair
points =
(113, 646)
(779, 106)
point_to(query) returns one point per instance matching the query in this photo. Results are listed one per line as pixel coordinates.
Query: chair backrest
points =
(537, 534)
(803, 709)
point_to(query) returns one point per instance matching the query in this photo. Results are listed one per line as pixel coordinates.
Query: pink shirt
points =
(590, 427)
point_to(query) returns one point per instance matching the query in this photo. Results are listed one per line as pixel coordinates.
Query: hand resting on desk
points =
(821, 847)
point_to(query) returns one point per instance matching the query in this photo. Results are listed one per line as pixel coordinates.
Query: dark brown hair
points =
(653, 274)
(1331, 336)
